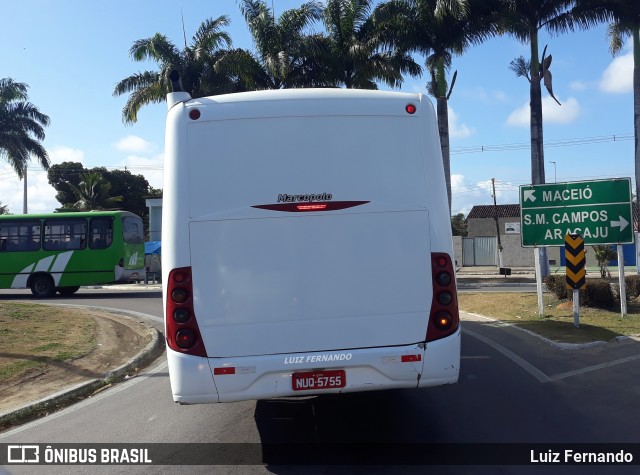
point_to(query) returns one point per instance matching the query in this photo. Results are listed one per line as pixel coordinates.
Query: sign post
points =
(621, 283)
(575, 270)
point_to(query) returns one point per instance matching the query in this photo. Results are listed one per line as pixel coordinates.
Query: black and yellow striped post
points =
(576, 261)
(576, 270)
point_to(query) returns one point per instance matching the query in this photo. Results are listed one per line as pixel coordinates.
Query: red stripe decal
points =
(311, 206)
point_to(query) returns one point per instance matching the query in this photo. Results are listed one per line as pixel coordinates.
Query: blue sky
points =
(71, 53)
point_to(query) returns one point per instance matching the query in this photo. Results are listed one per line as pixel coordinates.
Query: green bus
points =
(63, 251)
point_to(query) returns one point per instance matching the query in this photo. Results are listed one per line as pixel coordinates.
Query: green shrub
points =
(632, 283)
(597, 294)
(556, 283)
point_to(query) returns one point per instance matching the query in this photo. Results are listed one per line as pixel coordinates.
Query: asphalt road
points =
(513, 388)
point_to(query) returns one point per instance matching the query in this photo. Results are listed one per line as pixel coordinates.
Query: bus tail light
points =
(182, 332)
(444, 318)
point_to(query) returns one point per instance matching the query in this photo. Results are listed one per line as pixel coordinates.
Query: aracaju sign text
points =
(576, 261)
(600, 211)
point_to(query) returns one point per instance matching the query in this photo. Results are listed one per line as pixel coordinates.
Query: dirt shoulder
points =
(119, 340)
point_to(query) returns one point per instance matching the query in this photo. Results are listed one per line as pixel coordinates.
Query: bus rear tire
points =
(42, 286)
(70, 290)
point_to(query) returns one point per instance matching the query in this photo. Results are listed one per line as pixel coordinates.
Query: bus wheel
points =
(66, 291)
(42, 286)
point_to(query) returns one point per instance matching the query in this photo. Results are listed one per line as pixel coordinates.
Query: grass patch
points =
(32, 336)
(17, 368)
(521, 309)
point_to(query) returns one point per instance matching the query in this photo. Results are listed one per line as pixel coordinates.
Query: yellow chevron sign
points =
(576, 261)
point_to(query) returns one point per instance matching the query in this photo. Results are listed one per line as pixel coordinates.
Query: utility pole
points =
(24, 198)
(495, 209)
(555, 175)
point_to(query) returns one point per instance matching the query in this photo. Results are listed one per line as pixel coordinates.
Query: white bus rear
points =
(306, 245)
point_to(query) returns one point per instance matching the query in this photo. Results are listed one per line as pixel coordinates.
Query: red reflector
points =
(411, 109)
(311, 207)
(194, 114)
(224, 370)
(410, 358)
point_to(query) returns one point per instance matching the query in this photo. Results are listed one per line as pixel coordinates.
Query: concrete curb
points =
(153, 349)
(552, 343)
(465, 285)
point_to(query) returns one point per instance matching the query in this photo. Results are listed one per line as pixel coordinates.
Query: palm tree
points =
(624, 16)
(21, 127)
(285, 54)
(523, 20)
(354, 53)
(4, 209)
(196, 64)
(437, 30)
(93, 193)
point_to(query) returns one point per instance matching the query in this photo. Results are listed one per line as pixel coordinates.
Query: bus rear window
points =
(132, 230)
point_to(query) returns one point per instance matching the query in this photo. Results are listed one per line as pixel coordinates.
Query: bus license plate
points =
(304, 381)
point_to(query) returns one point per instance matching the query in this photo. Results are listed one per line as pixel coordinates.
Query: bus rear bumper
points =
(197, 380)
(127, 275)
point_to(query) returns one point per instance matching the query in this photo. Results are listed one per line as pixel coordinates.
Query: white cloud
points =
(133, 144)
(578, 86)
(552, 113)
(150, 168)
(465, 196)
(59, 154)
(40, 195)
(618, 77)
(458, 130)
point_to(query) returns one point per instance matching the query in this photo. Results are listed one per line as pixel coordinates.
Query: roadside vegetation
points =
(34, 336)
(521, 309)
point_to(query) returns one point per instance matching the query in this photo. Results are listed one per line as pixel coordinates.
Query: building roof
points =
(513, 211)
(489, 211)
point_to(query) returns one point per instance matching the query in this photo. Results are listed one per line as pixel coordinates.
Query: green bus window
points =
(20, 236)
(132, 230)
(101, 233)
(65, 234)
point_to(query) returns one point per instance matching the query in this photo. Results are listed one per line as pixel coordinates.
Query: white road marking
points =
(524, 364)
(588, 369)
(531, 369)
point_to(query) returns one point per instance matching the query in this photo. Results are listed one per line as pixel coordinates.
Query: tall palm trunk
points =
(535, 107)
(443, 130)
(537, 139)
(636, 106)
(440, 89)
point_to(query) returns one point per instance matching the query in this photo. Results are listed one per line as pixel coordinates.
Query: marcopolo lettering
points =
(285, 198)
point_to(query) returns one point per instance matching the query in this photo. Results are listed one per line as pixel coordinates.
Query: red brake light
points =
(317, 207)
(181, 328)
(444, 317)
(411, 109)
(194, 114)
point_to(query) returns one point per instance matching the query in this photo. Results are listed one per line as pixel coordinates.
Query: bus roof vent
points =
(178, 93)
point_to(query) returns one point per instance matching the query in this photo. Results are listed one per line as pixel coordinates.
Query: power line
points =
(547, 144)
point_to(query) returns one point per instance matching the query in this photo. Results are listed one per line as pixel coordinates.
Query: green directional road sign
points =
(600, 211)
